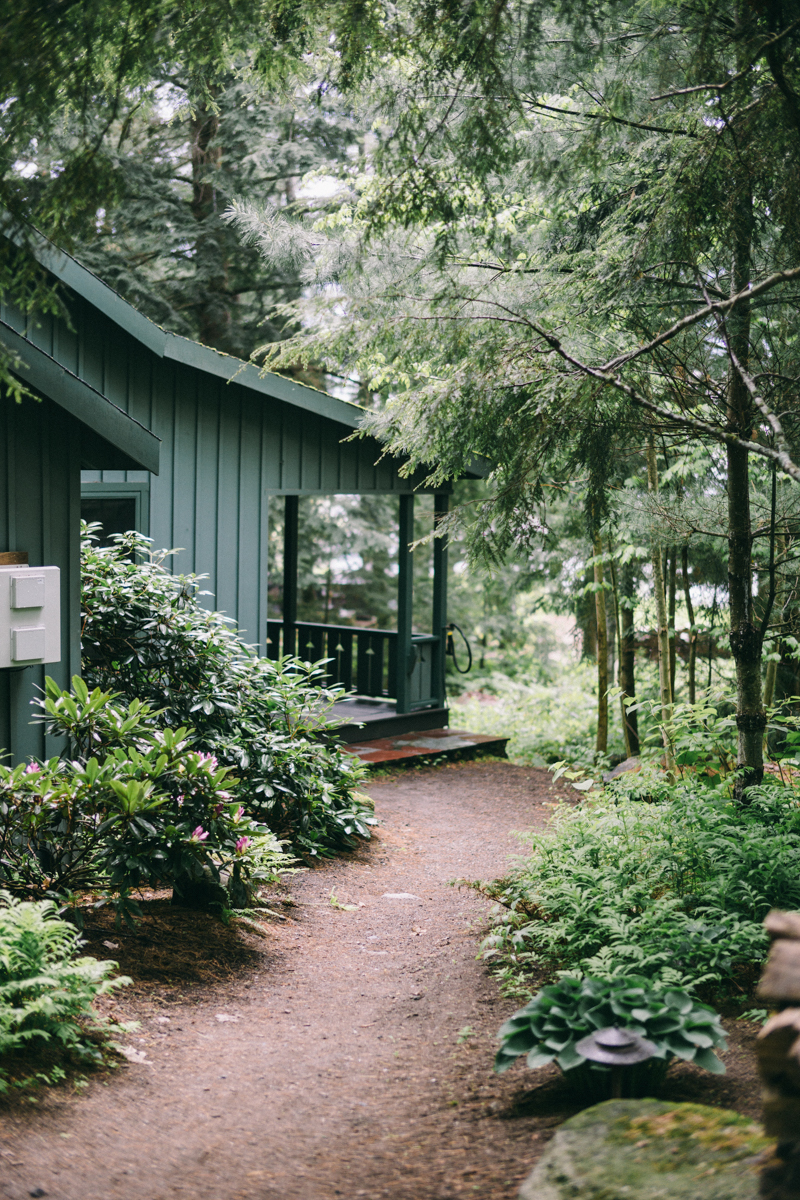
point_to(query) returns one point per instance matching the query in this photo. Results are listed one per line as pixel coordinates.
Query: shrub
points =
(147, 637)
(130, 804)
(548, 1028)
(46, 990)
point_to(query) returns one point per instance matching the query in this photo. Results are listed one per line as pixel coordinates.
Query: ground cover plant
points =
(46, 994)
(647, 876)
(549, 1027)
(147, 636)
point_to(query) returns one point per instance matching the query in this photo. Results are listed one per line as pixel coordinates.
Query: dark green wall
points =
(40, 465)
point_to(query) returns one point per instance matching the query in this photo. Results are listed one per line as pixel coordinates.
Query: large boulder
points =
(651, 1150)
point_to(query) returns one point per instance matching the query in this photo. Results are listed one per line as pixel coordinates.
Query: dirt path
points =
(348, 1053)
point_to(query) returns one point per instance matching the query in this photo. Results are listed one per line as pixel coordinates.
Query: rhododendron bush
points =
(188, 760)
(146, 636)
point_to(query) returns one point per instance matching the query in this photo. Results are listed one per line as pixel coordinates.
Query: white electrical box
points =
(30, 616)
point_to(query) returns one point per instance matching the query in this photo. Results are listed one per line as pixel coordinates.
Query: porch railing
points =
(362, 661)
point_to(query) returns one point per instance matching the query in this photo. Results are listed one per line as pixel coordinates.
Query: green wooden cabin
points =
(231, 438)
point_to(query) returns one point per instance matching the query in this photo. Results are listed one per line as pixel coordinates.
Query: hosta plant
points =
(548, 1028)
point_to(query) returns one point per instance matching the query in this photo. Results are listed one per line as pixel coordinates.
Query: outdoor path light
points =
(616, 1048)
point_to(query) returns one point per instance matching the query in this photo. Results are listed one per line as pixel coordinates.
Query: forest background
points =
(563, 236)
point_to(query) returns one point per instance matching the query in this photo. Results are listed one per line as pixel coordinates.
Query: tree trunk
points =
(586, 621)
(627, 659)
(210, 268)
(663, 626)
(745, 635)
(692, 668)
(673, 637)
(602, 648)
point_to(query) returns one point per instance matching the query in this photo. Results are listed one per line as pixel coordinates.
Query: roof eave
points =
(134, 446)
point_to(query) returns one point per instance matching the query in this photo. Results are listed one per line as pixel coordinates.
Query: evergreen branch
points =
(607, 116)
(721, 87)
(780, 456)
(748, 293)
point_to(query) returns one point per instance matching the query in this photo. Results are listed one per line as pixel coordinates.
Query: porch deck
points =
(439, 743)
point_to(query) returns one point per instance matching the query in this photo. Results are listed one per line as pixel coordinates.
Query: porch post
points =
(440, 507)
(290, 554)
(405, 594)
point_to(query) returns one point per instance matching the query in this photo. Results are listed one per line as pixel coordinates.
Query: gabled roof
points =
(124, 442)
(183, 350)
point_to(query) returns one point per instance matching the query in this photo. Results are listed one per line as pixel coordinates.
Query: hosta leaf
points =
(708, 1060)
(569, 1058)
(539, 1057)
(519, 1042)
(698, 1038)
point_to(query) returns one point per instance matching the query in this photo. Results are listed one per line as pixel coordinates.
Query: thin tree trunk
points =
(212, 303)
(673, 637)
(692, 668)
(780, 598)
(663, 627)
(602, 648)
(627, 659)
(745, 635)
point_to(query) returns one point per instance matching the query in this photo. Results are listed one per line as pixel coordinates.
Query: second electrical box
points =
(30, 616)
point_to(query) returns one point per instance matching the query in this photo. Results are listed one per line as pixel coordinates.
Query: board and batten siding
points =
(39, 513)
(226, 448)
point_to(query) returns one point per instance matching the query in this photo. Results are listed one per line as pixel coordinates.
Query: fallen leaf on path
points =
(226, 1017)
(399, 896)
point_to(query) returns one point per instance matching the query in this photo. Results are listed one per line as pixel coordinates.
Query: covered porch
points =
(395, 678)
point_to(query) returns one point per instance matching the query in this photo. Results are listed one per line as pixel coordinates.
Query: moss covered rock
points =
(651, 1150)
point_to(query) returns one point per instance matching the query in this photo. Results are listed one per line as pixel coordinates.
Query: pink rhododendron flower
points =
(218, 809)
(180, 800)
(237, 816)
(32, 768)
(242, 845)
(199, 835)
(210, 761)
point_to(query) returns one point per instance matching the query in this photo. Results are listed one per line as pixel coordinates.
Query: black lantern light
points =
(616, 1048)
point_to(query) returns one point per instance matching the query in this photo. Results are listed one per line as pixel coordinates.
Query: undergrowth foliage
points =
(129, 804)
(674, 889)
(46, 994)
(147, 637)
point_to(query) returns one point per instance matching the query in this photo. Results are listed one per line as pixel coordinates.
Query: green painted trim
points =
(101, 296)
(140, 492)
(405, 606)
(137, 445)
